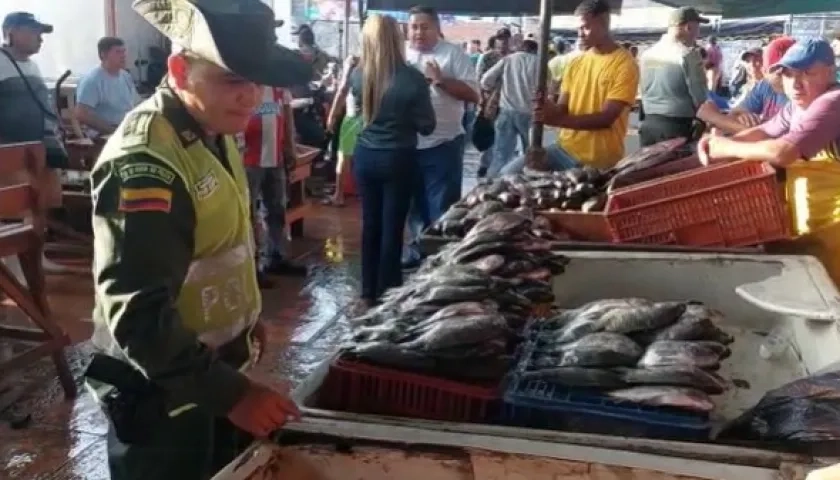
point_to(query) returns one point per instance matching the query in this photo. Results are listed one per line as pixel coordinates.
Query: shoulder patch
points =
(134, 200)
(148, 170)
(206, 186)
(135, 129)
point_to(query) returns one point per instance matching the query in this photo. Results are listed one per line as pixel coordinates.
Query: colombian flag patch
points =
(145, 200)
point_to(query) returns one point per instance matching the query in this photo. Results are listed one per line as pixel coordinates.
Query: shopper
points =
(396, 107)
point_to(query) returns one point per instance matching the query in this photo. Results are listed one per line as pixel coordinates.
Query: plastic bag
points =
(803, 415)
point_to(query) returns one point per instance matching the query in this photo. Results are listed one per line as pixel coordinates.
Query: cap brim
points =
(282, 68)
(703, 20)
(279, 23)
(798, 64)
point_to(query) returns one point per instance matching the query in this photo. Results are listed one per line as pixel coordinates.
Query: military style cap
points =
(237, 35)
(686, 15)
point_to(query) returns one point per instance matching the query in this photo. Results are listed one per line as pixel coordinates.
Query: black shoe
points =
(482, 172)
(264, 282)
(281, 266)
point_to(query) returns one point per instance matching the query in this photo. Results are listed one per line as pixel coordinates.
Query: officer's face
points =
(220, 100)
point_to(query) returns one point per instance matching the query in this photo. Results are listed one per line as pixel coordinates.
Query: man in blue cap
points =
(803, 138)
(26, 112)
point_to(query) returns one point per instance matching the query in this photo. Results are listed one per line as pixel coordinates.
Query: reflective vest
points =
(220, 298)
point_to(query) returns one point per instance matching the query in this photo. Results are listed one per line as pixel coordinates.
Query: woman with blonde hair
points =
(396, 106)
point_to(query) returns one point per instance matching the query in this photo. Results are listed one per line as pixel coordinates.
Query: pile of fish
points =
(460, 315)
(577, 189)
(509, 245)
(454, 321)
(633, 349)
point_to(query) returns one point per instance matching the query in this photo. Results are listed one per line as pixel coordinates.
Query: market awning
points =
(755, 8)
(727, 8)
(483, 7)
(727, 29)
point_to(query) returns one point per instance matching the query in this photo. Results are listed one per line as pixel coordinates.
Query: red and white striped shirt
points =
(266, 132)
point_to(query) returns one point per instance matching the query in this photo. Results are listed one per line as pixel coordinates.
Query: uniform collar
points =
(185, 125)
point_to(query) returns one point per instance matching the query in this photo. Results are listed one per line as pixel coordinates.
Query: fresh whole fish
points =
(689, 328)
(669, 353)
(641, 318)
(490, 263)
(677, 375)
(577, 377)
(676, 397)
(459, 331)
(601, 349)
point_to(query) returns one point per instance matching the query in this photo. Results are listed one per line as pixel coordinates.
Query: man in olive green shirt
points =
(175, 286)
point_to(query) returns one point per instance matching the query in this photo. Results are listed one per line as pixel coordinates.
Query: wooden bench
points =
(22, 234)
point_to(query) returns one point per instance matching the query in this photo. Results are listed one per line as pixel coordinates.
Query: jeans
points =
(268, 185)
(558, 160)
(442, 172)
(510, 126)
(385, 182)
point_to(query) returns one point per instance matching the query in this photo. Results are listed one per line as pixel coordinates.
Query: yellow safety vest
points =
(220, 299)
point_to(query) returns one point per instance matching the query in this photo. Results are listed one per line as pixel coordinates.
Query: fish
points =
(577, 377)
(669, 353)
(490, 263)
(601, 349)
(676, 397)
(456, 331)
(507, 222)
(484, 209)
(641, 318)
(689, 328)
(677, 375)
(392, 354)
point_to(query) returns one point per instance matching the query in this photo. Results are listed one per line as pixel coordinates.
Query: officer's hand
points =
(263, 410)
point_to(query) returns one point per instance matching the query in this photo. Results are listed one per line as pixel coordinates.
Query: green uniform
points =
(175, 284)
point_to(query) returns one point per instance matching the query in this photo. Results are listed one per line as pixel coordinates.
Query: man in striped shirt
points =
(269, 147)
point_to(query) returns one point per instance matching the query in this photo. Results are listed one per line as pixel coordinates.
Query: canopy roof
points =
(728, 29)
(727, 8)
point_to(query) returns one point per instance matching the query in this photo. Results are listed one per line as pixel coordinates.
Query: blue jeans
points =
(269, 185)
(384, 179)
(441, 171)
(510, 126)
(558, 160)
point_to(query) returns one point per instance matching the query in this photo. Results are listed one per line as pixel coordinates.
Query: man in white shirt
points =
(440, 155)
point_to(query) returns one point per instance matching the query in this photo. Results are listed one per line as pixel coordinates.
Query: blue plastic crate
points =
(540, 404)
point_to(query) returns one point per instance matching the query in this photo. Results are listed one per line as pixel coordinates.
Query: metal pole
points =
(542, 77)
(345, 40)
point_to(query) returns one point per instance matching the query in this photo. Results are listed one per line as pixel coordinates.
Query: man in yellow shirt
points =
(596, 93)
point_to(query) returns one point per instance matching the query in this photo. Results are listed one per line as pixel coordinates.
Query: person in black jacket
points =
(396, 107)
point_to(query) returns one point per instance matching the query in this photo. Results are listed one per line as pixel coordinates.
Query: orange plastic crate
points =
(729, 205)
(363, 388)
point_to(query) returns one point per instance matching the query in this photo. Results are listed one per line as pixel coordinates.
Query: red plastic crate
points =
(729, 205)
(363, 388)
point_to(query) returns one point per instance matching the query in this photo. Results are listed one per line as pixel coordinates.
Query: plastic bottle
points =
(775, 344)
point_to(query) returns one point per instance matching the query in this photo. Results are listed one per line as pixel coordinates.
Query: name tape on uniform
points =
(145, 200)
(146, 170)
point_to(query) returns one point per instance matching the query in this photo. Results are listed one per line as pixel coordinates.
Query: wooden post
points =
(535, 159)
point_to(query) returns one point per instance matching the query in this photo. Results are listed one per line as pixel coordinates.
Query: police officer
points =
(177, 301)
